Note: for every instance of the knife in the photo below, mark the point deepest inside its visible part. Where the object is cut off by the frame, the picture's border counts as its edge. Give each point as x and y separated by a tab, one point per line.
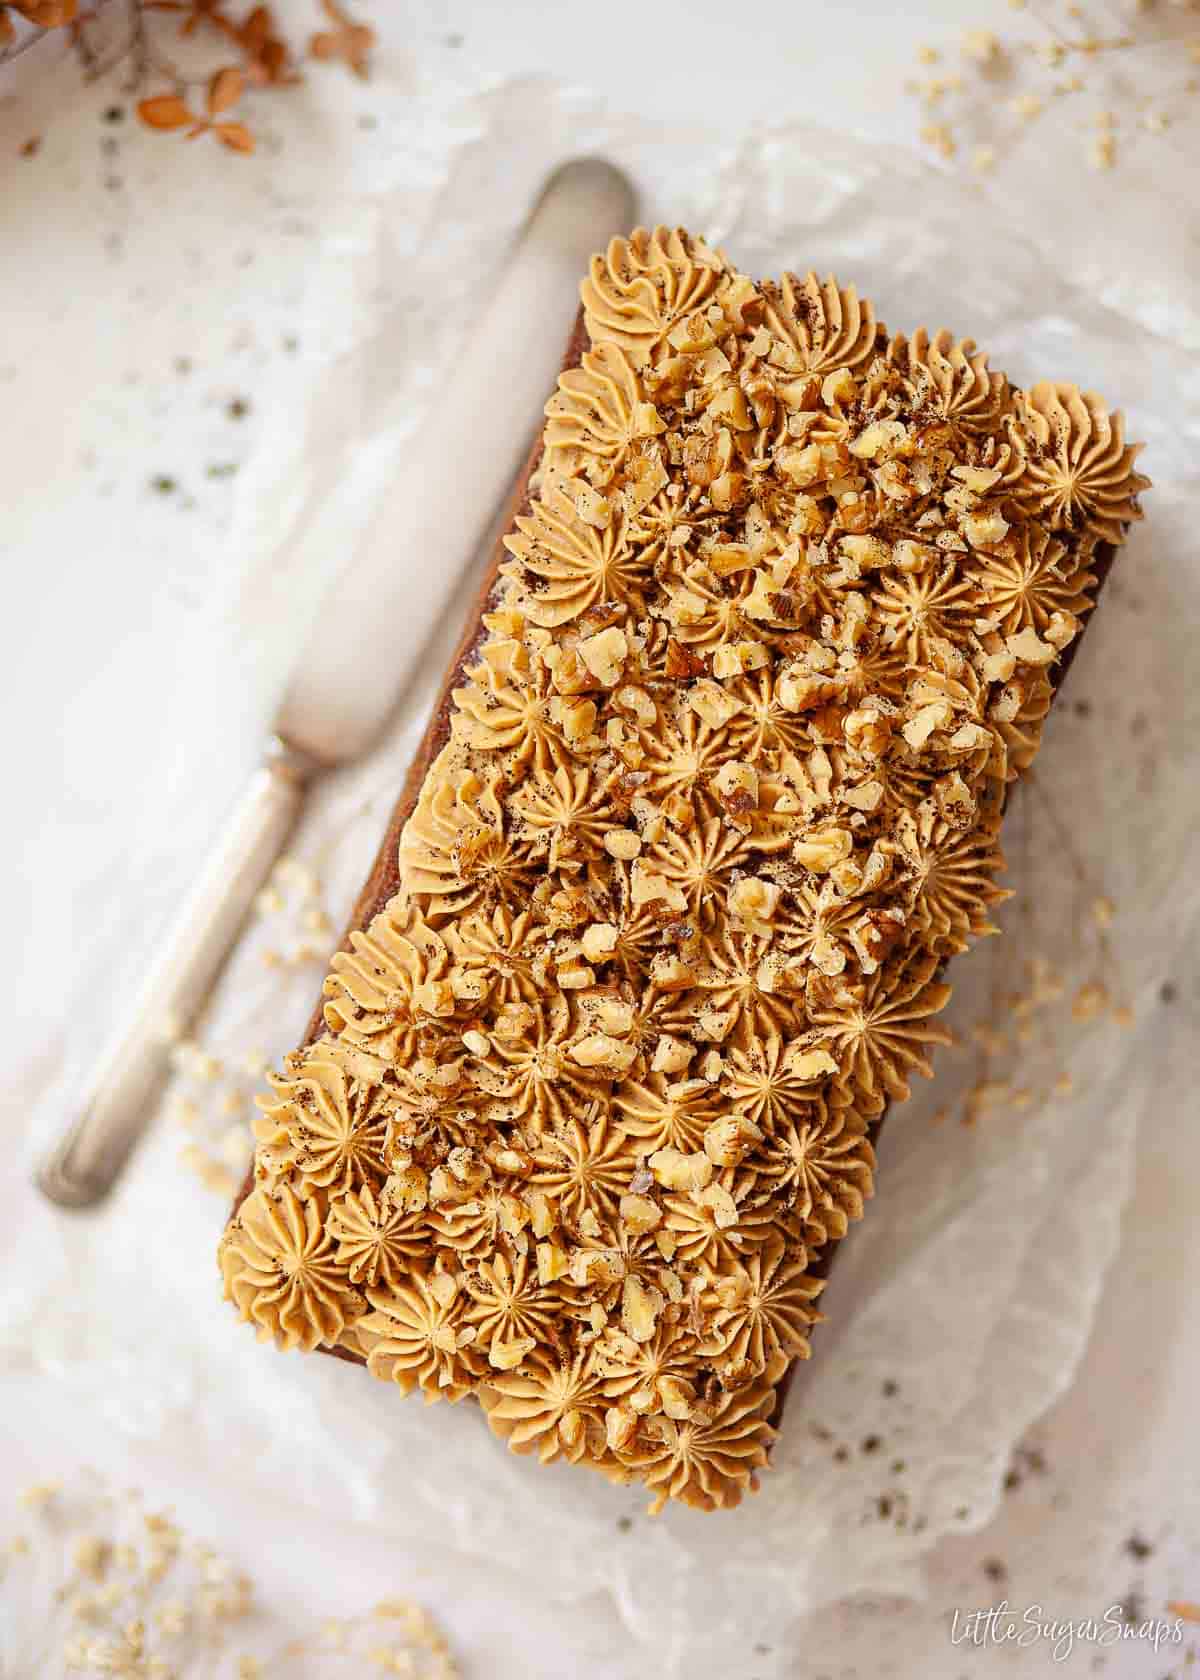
368	633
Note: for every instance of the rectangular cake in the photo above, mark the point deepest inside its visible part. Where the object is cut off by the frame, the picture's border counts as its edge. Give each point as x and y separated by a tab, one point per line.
660	926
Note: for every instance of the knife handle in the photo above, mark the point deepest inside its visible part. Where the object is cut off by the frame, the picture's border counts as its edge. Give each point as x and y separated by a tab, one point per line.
88	1157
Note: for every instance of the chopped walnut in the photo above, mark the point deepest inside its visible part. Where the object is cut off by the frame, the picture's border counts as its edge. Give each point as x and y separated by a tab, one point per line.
838	387
734	659
968	737
867	732
641	1305
552	1262
648	886
639	1214
711	703
622	843
737	785
408	1190
639	702
677	1171
600	940
605	655
1062	629
881	438
754	900
937	715
599	1050
727	1142
620	1427
822	848
868	553
806	1065
671	1055
671	973
592	508
722	1205
1029	648
614	1015
576	717
998	667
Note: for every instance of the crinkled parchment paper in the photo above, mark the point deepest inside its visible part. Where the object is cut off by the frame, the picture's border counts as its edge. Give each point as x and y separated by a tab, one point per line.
960	1307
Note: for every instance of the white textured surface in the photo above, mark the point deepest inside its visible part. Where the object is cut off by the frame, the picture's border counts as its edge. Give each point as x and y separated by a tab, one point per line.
142	675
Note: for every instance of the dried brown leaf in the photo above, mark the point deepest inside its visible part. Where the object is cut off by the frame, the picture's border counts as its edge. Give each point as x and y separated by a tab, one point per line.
268	60
49	14
224	90
164	111
349	40
235	135
681	662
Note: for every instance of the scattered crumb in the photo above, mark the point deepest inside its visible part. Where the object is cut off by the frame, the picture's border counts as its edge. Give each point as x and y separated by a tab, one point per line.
38	1495
940	138
983	46
1090	1000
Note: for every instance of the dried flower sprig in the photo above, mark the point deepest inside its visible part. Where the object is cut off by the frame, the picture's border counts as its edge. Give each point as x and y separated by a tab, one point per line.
96	1582
168	111
998	84
1035	1011
216	1081
264	58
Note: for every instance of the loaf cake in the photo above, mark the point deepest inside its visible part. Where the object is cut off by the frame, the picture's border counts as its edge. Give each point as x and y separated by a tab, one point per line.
660	926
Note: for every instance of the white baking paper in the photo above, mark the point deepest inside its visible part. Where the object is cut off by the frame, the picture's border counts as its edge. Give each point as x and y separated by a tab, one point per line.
959	1309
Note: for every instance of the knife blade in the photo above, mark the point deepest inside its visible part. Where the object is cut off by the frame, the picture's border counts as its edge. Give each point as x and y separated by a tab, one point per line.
376	617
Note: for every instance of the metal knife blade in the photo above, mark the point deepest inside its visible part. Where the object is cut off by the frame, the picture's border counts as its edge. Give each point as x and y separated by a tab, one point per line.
369	632
380	611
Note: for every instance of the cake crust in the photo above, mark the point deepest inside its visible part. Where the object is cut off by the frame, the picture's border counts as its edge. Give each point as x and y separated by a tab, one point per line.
658	931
